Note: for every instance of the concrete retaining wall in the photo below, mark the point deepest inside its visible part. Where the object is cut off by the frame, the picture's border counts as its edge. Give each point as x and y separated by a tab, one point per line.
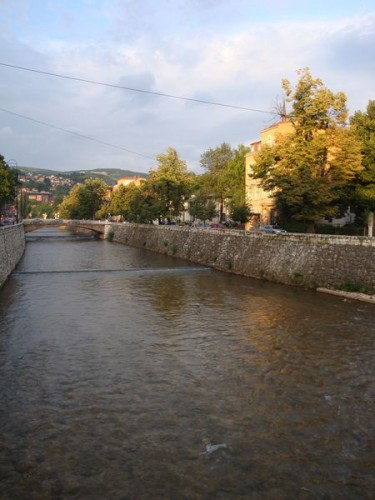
300	259
12	246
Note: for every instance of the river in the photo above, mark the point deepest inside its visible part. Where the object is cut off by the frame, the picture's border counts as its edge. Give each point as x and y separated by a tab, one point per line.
132	375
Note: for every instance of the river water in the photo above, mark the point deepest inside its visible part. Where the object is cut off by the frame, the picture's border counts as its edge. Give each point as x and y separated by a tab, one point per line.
131	375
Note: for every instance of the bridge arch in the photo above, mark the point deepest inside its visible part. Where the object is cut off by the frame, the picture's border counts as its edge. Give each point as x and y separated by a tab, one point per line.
97	227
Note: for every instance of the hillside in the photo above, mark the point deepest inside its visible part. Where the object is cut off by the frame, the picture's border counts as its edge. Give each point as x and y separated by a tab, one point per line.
108	175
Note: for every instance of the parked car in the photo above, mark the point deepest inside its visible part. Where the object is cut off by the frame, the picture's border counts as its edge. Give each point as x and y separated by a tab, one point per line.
273	229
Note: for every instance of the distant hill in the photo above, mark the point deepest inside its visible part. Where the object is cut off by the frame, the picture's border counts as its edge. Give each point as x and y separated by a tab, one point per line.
108	175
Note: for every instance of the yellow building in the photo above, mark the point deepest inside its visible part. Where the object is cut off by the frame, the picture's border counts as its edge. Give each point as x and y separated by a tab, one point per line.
261	202
125	181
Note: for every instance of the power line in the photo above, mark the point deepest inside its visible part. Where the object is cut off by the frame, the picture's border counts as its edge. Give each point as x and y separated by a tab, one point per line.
161	94
74	133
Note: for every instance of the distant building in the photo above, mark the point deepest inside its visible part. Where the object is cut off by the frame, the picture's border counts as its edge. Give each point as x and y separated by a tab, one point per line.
126	181
39	197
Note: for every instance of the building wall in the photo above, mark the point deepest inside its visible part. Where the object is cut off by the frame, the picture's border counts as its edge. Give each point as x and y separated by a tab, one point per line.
12	246
261	202
126	181
300	259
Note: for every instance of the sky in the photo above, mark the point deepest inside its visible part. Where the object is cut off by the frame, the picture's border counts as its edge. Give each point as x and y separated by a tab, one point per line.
119	62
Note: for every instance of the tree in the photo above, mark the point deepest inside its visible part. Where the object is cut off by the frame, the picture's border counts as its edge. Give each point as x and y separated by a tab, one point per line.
224	177
59	194
203	208
240	213
84	200
119	201
214	162
362	196
38	210
308	170
143	206
8	183
231	178
135	203
170	184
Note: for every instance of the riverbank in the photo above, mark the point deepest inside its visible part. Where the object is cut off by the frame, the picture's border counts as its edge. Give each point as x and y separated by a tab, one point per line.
12	246
312	261
349	295
324	262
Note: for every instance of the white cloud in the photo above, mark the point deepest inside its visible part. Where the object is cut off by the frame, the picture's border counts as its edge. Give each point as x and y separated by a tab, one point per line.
5	131
243	68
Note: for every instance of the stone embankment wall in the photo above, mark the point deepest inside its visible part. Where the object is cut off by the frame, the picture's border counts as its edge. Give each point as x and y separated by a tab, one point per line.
299	259
12	246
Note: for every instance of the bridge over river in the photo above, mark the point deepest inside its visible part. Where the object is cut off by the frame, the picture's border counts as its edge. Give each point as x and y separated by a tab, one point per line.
96	226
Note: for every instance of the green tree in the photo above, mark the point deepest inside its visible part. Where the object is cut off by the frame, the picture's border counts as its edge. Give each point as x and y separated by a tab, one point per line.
143	205
119	201
224	177
170	184
362	196
59	194
84	200
8	183
309	169
202	208
233	176
135	203
39	209
214	161
240	213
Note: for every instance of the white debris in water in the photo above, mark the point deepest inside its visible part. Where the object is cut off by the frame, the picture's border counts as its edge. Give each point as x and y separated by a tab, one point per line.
327	397
210	448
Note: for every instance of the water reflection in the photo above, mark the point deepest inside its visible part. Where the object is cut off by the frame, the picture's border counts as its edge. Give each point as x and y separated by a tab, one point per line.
178	383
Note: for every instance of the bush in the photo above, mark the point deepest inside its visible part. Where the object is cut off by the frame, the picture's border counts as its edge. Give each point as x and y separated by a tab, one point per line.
356	288
110	235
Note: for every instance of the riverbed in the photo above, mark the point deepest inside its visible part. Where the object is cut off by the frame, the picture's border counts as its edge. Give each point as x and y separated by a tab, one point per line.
130	374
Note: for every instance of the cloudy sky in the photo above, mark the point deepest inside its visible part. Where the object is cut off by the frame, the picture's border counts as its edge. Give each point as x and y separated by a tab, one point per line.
232	52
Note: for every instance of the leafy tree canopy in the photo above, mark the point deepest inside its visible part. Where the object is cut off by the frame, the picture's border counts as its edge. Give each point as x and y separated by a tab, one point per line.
8	182
135	203
202	208
363	125
308	170
170	184
84	200
314	106
231	177
214	160
225	173
240	213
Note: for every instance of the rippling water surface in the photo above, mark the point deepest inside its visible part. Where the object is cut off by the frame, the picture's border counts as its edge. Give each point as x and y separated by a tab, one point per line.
130	375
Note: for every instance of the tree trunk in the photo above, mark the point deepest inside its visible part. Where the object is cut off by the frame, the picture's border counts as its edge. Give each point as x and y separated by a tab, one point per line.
370	224
221	211
311	228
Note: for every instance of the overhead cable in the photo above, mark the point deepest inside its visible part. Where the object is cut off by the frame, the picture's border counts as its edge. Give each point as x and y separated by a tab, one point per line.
75	133
93	82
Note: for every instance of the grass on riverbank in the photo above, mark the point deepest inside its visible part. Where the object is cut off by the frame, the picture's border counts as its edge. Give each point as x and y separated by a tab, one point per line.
356	288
